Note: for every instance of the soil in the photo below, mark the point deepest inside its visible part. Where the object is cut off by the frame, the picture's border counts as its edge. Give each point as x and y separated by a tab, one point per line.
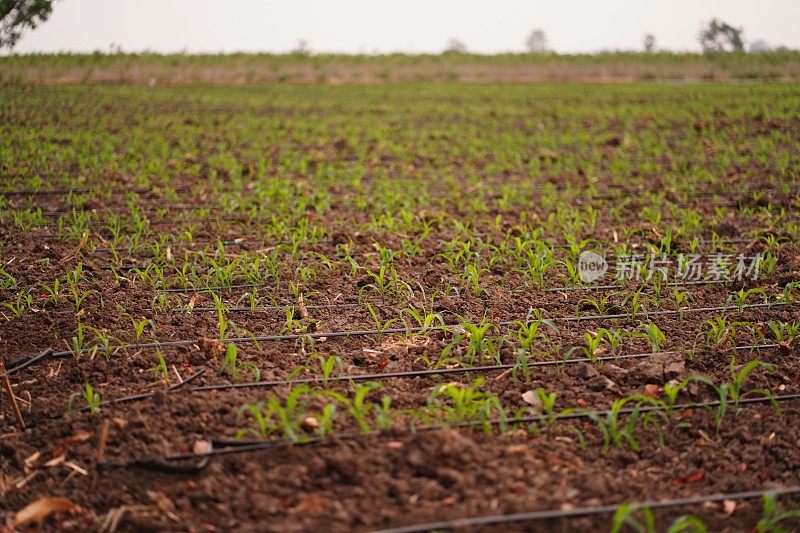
401	476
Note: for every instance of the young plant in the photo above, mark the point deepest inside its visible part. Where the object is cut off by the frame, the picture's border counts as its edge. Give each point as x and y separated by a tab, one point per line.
160	370
655	336
615	431
459	403
423	321
772	516
732	391
740	298
328	365
358	407
276	415
90	397
17	306
139	327
235	369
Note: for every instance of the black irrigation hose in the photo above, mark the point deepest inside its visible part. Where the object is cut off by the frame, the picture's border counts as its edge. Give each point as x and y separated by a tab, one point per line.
264	309
172	388
233	448
668	312
16	366
618	286
54	192
185	246
552	289
380	376
391	375
237	216
579	512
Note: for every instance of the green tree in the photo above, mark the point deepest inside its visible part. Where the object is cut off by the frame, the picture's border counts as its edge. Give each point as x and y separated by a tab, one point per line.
720	36
18	15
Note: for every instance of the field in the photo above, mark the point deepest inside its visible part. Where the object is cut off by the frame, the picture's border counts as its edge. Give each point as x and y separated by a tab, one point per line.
360	307
248	69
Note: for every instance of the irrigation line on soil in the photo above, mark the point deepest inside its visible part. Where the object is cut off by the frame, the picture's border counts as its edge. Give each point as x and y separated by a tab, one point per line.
404	374
667	312
27	361
190	246
236	447
579	512
346	305
232	215
378	377
617	286
552	289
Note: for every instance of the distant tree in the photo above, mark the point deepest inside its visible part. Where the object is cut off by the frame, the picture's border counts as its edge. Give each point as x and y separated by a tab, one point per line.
18	15
649	42
302	47
454	46
537	42
719	36
759	45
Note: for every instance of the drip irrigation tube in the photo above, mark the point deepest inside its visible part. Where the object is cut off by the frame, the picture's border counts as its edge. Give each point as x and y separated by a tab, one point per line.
27	361
379	376
236	447
579	512
397	375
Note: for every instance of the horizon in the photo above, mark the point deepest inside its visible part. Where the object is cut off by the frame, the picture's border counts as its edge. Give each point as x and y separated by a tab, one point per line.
356	27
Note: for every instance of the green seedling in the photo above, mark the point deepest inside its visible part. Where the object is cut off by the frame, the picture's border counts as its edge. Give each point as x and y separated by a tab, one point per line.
459	403
784	331
18	306
160	370
358	407
90	397
772	516
236	369
424	322
740	297
615	431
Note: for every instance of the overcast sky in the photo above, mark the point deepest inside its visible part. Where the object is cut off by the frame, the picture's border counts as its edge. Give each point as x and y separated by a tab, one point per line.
364	26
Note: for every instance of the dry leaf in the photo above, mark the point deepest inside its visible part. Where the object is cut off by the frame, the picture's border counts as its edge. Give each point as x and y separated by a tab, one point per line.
63	447
530	398
729	506
55	461
212	347
302	306
201	447
652	391
42	508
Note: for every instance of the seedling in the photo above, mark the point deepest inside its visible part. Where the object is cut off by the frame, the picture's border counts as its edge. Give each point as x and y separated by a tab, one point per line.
464	403
784	331
90	397
23	301
655	336
732	391
740	298
615	431
160	370
358	407
236	369
328	365
139	326
424	321
772	516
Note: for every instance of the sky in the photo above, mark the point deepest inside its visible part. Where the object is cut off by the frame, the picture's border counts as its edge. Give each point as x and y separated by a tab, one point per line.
411	26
